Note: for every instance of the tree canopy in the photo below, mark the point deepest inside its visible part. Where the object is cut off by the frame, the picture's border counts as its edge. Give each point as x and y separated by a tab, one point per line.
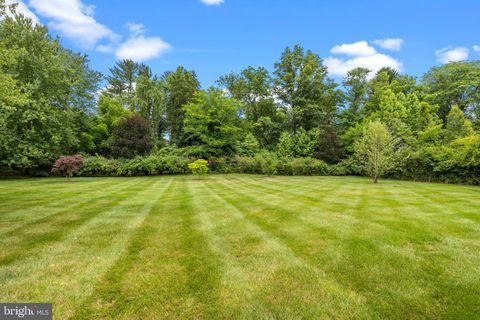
52	103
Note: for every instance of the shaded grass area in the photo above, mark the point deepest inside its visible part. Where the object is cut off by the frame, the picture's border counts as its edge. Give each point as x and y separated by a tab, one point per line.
241	247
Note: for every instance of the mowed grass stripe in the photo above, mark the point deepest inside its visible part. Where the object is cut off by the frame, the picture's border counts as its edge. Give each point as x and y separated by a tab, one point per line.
354	248
90	250
249	247
53	189
53	227
13	222
260	270
167	272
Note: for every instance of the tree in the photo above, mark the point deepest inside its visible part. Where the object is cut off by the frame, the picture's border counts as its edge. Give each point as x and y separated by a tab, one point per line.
122	81
328	148
356	84
253	88
46	93
455	83
301	144
457	126
180	89
132	137
212	122
302	86
68	165
249	146
150	97
110	113
375	150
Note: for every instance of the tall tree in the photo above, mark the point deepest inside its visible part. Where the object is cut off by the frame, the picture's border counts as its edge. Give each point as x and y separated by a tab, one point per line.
180	87
356	85
253	88
150	96
456	83
57	89
212	122
122	81
302	86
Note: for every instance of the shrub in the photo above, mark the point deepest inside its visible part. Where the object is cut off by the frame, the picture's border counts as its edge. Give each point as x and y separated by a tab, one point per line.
98	166
267	163
302	167
68	165
221	165
199	167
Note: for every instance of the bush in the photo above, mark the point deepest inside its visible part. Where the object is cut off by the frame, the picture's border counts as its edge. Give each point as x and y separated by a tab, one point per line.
221	165
267	163
68	165
139	166
302	167
98	166
199	167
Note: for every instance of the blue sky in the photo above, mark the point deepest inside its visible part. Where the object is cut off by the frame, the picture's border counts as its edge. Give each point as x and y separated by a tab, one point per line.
214	37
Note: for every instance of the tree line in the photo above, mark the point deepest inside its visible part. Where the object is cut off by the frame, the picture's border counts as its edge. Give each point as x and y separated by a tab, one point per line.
52	103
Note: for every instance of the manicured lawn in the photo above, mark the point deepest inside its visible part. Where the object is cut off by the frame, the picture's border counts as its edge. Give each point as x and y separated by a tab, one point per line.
241	247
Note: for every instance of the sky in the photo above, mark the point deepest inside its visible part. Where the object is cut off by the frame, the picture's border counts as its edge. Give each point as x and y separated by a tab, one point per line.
215	37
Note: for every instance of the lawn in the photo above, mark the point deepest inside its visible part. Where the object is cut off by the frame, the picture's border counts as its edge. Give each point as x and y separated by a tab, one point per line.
241	247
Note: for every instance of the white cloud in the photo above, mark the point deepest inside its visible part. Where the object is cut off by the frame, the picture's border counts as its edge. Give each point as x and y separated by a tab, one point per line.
360	48
74	19
23	9
212	2
394	44
450	54
476	48
374	62
138	47
361	55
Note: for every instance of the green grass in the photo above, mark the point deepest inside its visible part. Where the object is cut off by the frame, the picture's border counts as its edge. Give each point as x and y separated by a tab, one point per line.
241	247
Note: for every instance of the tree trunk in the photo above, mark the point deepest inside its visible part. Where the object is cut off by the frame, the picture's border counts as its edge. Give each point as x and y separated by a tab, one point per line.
375	179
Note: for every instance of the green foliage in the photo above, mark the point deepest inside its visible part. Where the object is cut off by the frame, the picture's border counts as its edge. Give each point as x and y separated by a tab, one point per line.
249	146
212	122
180	88
301	83
458	126
99	166
301	144
199	167
154	164
110	113
302	167
455	83
131	138
45	92
375	150
49	107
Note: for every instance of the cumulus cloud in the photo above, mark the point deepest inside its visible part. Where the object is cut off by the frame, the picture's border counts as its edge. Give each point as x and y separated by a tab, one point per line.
74	20
361	54
450	54
476	48
360	48
23	9
394	44
139	47
212	2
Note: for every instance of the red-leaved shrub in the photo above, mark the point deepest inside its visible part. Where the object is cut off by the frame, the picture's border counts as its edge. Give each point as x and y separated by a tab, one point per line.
68	165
